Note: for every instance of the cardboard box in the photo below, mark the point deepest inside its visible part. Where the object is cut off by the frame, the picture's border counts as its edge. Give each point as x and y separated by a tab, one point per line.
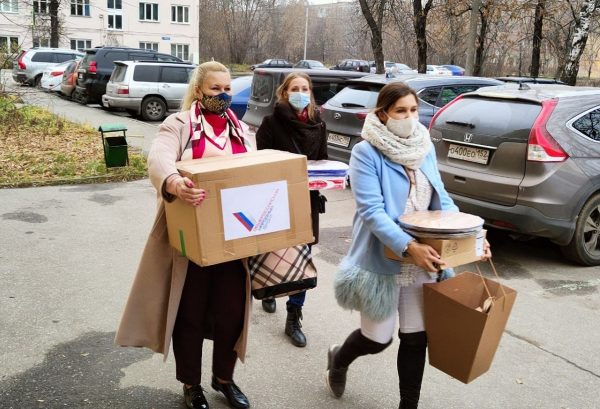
455	252
255	202
461	340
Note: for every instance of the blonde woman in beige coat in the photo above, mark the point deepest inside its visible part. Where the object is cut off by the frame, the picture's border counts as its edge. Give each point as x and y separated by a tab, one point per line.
172	298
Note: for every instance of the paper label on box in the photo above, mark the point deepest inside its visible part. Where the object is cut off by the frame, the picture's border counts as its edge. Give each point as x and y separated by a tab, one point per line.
256	209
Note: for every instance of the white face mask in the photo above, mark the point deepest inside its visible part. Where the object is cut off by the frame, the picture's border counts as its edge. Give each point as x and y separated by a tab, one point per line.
402	128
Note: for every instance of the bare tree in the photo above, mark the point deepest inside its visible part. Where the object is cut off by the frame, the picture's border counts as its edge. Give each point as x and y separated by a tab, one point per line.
374	11
538	29
471	41
484	12
55	23
582	27
420	23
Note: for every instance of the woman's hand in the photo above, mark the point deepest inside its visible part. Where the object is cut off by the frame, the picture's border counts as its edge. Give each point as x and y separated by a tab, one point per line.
424	256
185	190
487	251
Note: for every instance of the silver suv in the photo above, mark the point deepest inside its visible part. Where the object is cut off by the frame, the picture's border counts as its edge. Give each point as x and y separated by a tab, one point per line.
31	63
147	88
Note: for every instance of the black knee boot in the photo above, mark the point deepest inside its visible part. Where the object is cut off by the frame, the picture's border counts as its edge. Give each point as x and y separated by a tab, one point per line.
411	364
339	358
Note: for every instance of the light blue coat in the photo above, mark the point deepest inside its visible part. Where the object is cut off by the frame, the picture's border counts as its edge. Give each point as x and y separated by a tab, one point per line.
365	280
380	189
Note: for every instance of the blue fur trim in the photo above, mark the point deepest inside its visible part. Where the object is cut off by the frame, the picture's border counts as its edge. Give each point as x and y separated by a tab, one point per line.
375	295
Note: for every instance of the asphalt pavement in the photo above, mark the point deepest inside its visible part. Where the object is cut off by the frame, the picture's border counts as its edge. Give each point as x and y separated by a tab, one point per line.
68	255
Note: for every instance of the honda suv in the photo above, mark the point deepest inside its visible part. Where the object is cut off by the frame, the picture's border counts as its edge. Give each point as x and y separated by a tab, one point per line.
526	158
326	84
31	63
346	112
149	88
97	67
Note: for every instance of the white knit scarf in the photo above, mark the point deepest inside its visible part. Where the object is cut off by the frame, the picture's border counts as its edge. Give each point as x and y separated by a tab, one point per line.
409	152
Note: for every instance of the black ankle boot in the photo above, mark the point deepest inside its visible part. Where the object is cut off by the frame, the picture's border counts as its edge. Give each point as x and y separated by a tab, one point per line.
293	326
411	364
269	305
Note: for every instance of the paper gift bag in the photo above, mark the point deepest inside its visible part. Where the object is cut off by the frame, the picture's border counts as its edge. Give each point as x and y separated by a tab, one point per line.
462	336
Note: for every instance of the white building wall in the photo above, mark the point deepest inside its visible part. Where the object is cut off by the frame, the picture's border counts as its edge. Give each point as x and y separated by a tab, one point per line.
93	29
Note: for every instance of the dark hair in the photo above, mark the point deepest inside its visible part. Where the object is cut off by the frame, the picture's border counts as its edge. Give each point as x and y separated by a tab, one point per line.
282	92
391	93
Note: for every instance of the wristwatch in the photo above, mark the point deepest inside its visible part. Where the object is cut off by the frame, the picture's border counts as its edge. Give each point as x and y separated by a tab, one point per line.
405	251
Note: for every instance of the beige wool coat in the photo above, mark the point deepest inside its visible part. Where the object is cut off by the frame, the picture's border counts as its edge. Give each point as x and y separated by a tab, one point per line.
151	308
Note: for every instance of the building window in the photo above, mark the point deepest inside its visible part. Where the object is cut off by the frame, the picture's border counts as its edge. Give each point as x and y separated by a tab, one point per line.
40	7
41	42
115	14
9	6
80	45
80	8
149	11
114	4
181	51
148	46
180	14
9	44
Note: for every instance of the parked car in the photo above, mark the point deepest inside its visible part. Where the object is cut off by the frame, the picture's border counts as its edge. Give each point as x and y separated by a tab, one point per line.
97	67
326	84
52	76
310	64
147	88
455	69
531	167
31	63
272	63
530	80
240	87
437	70
393	68
352	65
345	113
69	79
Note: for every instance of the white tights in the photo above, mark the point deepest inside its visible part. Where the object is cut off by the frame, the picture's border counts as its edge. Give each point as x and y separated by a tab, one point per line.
410	313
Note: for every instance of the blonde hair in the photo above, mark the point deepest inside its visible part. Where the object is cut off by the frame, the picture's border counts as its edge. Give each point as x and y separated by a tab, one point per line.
197	78
282	94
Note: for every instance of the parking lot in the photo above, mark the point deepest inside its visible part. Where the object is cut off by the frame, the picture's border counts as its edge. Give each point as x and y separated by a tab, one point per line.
68	255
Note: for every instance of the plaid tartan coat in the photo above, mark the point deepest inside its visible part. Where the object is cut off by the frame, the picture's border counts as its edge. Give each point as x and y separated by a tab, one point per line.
151	309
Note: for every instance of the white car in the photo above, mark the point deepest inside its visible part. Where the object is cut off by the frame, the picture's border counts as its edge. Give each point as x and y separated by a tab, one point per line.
53	76
438	70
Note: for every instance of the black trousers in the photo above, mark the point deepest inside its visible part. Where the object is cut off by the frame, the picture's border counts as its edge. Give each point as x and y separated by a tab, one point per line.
212	306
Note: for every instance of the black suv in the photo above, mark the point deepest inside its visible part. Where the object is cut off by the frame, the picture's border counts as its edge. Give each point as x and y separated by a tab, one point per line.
326	84
353	65
98	64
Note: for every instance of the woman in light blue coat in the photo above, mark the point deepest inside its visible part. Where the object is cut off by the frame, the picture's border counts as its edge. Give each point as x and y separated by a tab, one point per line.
393	171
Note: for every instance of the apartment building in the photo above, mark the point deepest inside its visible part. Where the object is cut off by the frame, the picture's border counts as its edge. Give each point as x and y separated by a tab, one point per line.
166	26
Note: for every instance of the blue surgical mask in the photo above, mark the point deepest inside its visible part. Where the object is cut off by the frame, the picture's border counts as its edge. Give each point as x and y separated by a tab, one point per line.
299	100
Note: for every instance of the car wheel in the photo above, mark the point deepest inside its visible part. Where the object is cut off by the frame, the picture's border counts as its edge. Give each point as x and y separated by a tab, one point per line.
584	247
37	81
153	109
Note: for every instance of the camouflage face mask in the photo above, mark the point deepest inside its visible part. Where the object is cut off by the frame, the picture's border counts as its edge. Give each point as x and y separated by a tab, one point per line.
217	104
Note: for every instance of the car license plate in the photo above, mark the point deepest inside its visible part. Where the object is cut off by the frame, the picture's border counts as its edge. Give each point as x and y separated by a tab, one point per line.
469	153
340	140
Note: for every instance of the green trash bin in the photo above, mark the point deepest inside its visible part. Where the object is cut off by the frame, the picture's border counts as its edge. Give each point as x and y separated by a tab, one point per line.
115	146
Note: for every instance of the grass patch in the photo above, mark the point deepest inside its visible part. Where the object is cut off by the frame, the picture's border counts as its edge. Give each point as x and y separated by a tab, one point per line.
38	148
